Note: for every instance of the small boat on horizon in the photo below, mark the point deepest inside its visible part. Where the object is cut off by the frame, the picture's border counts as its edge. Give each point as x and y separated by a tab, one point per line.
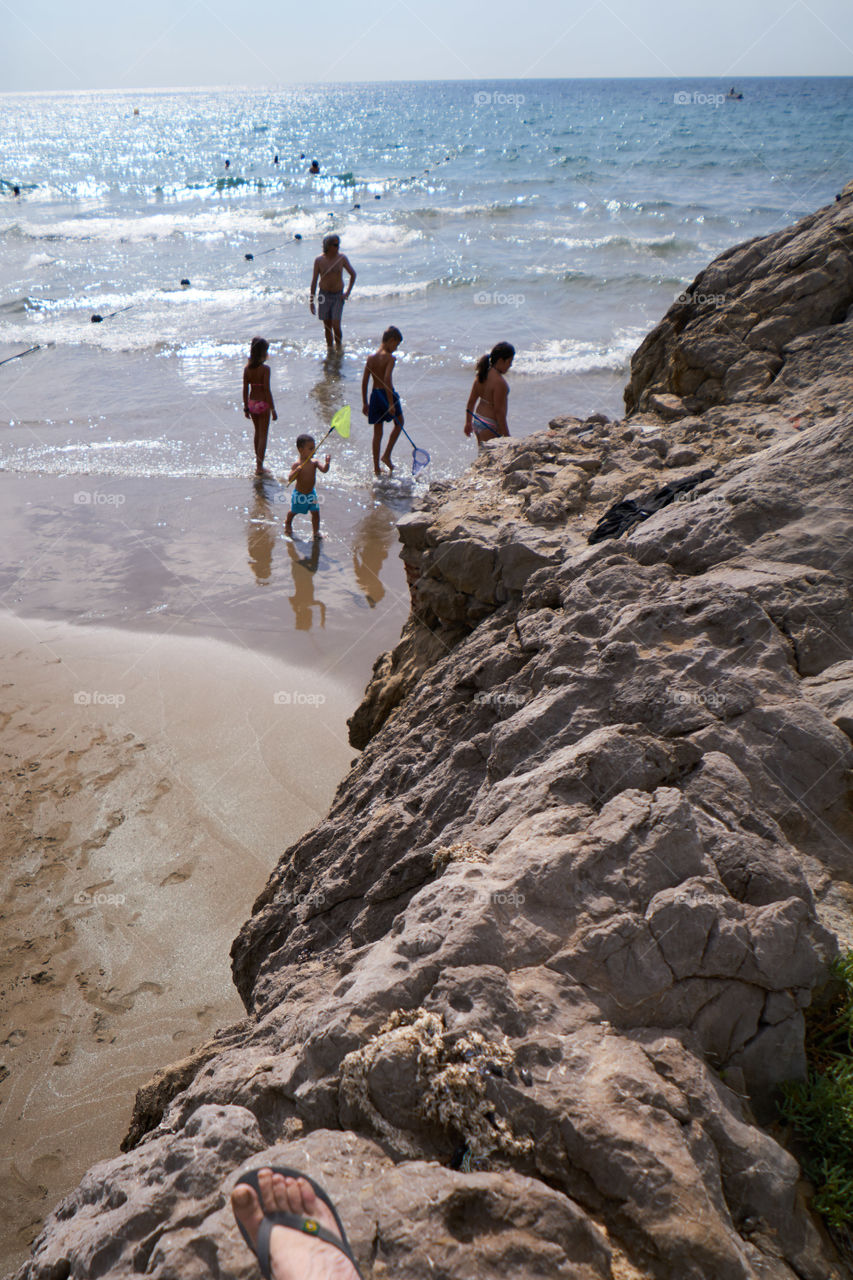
733	95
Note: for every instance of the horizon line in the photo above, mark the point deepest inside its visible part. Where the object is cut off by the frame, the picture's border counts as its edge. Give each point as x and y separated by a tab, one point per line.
291	84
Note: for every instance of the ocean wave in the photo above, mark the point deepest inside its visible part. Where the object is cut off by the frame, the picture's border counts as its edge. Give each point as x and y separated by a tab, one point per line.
161	226
39	260
615	280
576	355
486	210
402	289
660	245
366	236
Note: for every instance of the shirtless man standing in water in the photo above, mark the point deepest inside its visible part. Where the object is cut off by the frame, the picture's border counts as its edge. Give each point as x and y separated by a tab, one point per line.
329	269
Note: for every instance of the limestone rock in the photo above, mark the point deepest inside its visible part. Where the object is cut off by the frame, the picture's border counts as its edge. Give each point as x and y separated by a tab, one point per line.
668	407
766	294
522	998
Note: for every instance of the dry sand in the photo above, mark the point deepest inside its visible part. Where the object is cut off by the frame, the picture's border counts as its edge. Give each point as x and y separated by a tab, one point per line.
150	785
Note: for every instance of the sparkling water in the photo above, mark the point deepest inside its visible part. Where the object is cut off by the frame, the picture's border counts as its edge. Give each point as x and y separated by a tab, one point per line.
563	216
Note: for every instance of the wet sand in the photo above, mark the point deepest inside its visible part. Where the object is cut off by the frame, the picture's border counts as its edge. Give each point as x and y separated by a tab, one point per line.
152	778
151	783
207	556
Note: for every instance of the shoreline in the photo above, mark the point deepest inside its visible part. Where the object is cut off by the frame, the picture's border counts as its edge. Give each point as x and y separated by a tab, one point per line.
566	913
200	558
133	855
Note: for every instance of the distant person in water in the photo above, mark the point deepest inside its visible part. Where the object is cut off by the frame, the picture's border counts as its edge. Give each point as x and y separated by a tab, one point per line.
328	270
384	404
227	164
304	496
315	168
485	412
257	399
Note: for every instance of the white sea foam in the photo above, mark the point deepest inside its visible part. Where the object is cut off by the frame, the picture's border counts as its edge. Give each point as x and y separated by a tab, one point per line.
573	355
401	289
208	225
654	244
366	236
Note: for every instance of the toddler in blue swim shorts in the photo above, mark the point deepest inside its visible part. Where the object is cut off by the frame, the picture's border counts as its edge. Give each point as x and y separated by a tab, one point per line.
304	496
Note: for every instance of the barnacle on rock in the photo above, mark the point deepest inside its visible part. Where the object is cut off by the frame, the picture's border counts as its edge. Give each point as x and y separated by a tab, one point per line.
460	851
449	1082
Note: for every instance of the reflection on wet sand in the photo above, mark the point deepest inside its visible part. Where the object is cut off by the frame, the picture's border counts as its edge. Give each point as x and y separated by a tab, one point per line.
371	544
302	601
262	532
327	392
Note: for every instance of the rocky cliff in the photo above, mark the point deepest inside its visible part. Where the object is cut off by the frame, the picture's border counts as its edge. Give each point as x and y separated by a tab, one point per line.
522	999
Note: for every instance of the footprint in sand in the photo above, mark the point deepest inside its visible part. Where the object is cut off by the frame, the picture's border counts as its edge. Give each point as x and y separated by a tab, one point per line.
176	877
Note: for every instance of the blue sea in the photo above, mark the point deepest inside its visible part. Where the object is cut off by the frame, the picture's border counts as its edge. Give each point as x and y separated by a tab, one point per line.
562	216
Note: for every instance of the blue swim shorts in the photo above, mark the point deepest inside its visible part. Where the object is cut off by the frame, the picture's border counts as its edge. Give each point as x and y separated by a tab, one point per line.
377	409
300	502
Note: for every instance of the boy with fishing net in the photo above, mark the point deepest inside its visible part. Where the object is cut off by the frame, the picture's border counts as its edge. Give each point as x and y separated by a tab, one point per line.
384	404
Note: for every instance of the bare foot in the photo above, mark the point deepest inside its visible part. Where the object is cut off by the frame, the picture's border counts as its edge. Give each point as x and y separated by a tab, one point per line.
294	1255
388	463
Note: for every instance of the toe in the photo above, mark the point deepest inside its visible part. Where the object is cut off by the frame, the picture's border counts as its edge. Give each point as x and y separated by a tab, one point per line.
266	1180
307	1198
247	1210
280	1198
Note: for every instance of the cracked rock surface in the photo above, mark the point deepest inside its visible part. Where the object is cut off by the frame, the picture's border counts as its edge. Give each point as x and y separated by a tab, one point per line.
521	1001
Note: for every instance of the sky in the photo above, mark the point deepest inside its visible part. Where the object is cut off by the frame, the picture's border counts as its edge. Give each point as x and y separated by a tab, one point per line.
130	44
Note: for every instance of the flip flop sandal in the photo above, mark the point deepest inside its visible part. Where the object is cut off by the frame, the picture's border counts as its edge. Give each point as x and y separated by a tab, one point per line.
308	1226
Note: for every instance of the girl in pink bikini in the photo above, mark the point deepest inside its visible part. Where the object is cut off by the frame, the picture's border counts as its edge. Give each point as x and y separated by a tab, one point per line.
257	399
